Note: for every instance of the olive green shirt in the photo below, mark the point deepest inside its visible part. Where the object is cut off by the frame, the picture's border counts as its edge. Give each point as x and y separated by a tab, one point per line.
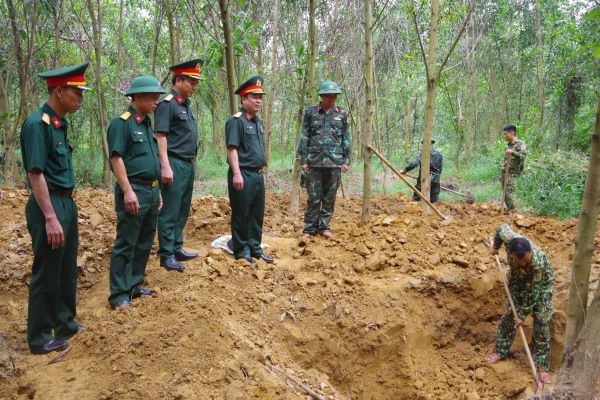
45	148
174	117
131	137
245	132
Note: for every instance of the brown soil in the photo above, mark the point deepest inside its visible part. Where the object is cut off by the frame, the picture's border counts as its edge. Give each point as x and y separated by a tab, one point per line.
404	308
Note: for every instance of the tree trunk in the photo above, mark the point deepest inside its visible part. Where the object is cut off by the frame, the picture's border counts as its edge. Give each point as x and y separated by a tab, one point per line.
368	122
228	55
432	77
307	86
540	71
584	243
272	85
156	36
168	7
96	19
119	63
23	56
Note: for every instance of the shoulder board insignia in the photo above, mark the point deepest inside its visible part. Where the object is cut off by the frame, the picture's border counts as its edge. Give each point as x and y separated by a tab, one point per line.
125	116
237	114
168	97
46	118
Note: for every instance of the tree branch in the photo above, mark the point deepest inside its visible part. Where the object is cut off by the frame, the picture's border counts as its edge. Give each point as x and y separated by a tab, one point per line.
456	38
414	15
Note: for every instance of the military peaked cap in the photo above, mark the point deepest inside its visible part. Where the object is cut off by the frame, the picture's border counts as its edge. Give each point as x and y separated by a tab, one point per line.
252	85
66	76
189	68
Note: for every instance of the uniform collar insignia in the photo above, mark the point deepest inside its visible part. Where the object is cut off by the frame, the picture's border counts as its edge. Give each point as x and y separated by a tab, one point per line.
138	118
56	122
248	116
179	99
337	109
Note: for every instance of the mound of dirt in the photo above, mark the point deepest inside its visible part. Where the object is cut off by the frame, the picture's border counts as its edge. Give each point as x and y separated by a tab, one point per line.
405	307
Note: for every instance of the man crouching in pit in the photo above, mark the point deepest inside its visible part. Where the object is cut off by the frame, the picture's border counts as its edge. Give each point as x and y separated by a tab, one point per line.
530	282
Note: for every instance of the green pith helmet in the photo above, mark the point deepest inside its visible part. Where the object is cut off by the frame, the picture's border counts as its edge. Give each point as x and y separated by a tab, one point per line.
144	84
329	87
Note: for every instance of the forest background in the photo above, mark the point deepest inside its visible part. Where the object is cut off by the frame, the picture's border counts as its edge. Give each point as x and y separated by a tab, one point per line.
529	63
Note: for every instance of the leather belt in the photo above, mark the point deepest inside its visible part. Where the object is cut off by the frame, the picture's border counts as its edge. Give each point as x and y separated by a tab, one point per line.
254	169
62	193
153	183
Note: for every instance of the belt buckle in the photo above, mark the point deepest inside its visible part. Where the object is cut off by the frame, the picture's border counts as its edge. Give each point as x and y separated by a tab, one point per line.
154	183
260	170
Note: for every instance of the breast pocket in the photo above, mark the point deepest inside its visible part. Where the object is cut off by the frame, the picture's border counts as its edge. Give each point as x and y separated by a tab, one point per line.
139	144
62	153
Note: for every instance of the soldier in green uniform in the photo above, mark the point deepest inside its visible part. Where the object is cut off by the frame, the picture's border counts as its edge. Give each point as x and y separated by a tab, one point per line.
514	161
435	172
51	212
176	132
324	152
134	159
530	282
245	142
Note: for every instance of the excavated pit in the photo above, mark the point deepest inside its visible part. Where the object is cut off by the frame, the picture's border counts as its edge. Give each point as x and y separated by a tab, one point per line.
403	308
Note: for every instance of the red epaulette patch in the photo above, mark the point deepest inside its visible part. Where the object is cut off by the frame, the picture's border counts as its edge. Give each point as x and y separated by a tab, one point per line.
56	122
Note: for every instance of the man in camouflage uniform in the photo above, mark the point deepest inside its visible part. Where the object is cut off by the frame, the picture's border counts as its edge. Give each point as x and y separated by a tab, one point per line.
324	152
435	171
530	281
514	161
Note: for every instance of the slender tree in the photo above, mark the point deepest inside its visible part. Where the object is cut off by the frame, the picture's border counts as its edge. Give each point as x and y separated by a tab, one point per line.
229	62
368	121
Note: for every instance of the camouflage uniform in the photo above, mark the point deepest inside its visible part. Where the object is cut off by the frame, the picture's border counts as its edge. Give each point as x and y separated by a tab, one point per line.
515	162
531	290
325	147
435	170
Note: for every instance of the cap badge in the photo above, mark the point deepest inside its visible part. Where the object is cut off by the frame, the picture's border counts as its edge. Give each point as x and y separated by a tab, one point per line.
330	86
258	83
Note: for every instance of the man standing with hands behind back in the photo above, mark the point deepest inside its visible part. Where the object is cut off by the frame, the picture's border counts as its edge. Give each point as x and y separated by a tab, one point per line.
177	136
245	182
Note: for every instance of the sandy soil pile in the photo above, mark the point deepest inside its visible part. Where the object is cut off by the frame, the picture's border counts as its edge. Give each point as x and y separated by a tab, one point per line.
404	308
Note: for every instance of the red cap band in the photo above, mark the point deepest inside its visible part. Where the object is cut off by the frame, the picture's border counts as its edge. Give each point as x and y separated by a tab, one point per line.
251	89
187	71
73	80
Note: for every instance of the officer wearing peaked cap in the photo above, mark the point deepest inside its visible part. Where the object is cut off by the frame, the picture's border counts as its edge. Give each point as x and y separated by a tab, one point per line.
134	161
324	152
51	212
245	142
177	135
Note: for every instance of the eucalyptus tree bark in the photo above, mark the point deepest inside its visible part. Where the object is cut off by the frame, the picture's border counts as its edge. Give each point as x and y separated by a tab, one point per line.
94	9
308	85
579	373
433	72
584	243
24	55
169	8
540	71
368	121
432	79
272	84
158	13
229	66
119	61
